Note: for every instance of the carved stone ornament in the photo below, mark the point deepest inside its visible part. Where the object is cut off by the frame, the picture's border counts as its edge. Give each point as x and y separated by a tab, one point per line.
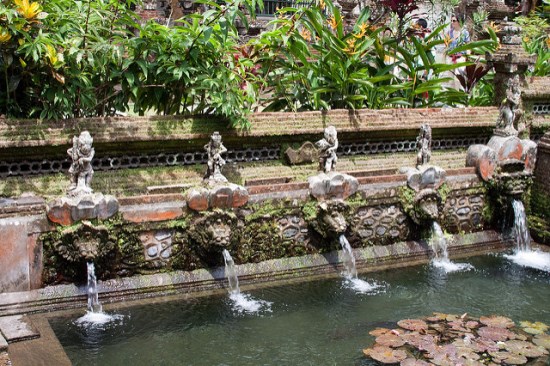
327	150
215	163
509	111
81	170
85	242
424	146
331	218
213	231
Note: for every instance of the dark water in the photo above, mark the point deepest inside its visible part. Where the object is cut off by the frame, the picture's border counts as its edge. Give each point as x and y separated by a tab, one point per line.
312	323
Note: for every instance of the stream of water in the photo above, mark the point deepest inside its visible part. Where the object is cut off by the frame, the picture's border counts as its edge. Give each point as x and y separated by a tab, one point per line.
441	259
242	303
523	254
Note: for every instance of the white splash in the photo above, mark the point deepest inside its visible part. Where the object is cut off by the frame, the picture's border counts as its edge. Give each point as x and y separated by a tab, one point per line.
449	266
532	258
362	286
94	319
245	303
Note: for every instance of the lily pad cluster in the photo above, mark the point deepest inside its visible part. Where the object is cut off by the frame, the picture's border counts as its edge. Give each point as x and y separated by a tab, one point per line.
451	340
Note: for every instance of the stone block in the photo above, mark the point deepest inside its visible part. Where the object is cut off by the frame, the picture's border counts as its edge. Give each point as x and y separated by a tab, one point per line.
14	258
305	154
17	328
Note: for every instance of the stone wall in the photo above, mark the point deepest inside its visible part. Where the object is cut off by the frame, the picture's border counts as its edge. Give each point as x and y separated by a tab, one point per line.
30	137
539	218
160	233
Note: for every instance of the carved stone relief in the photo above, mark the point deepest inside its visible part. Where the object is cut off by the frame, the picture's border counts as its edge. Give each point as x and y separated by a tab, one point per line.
157	246
380	224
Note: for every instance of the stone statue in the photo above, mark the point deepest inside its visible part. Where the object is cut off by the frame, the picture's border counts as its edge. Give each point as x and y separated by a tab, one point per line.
509	109
424	145
327	150
81	170
215	149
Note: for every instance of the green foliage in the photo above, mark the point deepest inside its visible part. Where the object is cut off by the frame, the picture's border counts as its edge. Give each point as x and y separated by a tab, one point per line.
84	59
534	32
310	62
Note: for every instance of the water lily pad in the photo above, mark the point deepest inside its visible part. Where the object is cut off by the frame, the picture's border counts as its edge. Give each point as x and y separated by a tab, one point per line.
484	345
413	324
533	328
508	358
497	321
390	340
542	340
495	333
379	331
524	348
413	362
418	340
385	355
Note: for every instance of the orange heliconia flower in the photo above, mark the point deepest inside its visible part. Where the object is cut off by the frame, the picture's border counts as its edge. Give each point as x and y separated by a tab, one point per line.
332	22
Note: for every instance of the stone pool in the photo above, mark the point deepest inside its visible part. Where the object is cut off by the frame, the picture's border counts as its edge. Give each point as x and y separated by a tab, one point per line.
321	322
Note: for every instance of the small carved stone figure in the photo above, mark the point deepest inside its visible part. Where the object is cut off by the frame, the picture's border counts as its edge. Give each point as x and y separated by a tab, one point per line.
327	150
424	145
81	170
509	109
215	149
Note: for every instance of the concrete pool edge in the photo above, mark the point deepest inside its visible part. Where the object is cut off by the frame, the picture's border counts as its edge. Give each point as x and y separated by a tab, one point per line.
369	259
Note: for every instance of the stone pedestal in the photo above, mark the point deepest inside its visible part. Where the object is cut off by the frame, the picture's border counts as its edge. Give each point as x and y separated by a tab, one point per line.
221	195
332	185
68	210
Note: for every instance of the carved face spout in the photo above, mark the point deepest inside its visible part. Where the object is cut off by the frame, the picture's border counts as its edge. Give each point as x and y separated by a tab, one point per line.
219	233
88	250
427	206
331	218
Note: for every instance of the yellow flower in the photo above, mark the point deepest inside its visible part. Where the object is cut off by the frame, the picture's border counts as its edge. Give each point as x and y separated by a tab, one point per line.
51	54
494	27
332	22
525	39
548	42
362	30
28	10
322	4
306	34
447	40
350	48
4	35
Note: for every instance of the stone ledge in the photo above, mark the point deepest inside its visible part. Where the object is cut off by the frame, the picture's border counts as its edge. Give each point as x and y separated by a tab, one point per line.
33	133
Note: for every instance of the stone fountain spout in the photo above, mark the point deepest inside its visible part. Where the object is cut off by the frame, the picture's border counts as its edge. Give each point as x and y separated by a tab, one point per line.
507	161
330	188
424	180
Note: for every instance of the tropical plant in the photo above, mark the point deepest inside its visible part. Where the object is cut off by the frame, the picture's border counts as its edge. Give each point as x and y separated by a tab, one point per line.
310	62
535	37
